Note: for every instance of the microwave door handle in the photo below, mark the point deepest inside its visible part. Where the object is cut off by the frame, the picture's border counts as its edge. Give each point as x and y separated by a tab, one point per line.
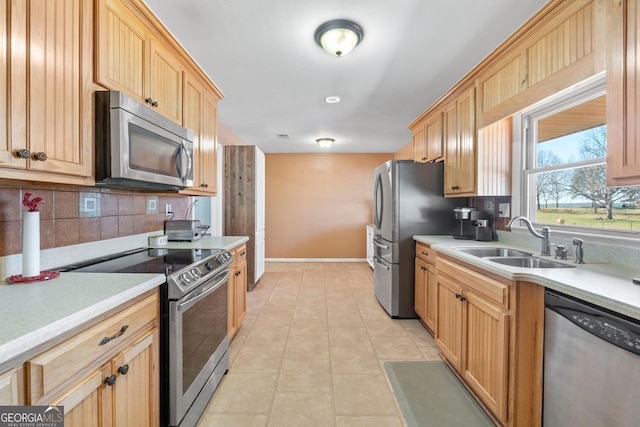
179	160
189	167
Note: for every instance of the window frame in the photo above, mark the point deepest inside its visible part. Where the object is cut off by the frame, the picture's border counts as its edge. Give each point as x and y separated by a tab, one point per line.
524	148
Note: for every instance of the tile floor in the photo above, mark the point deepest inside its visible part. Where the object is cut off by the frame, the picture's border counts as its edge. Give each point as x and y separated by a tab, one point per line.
310	352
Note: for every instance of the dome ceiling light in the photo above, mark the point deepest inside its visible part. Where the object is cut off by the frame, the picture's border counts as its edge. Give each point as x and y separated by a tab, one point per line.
339	37
325	142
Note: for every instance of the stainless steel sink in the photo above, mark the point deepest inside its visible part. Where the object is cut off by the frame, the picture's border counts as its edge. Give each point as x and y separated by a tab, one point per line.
490	251
530	262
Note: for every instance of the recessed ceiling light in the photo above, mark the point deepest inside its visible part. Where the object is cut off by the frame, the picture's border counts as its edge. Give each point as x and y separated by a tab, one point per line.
332	99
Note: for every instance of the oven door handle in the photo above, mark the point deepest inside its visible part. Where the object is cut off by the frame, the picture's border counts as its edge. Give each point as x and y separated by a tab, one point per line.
196	296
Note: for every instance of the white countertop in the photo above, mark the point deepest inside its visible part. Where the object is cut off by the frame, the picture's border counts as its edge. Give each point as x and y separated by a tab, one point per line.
34	314
606	285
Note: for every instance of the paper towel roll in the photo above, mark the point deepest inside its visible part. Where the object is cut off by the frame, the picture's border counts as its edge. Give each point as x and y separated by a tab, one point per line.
31	244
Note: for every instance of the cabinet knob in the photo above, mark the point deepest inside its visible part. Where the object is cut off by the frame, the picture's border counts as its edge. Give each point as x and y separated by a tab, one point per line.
23	154
458	296
110	380
204	185
42	156
122	370
455	187
151	102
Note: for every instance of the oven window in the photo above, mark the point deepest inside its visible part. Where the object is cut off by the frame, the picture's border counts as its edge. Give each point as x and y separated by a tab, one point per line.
204	326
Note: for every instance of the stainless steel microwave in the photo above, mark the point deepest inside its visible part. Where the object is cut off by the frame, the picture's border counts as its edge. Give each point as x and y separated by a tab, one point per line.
137	147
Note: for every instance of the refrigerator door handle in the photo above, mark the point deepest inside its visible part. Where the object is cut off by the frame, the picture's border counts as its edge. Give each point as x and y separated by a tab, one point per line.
386	267
378	202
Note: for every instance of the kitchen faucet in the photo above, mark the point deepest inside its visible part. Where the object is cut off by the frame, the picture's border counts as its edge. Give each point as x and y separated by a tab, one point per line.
546	231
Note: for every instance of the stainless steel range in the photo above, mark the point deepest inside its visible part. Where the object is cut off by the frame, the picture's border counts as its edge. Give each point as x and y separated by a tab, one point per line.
194	342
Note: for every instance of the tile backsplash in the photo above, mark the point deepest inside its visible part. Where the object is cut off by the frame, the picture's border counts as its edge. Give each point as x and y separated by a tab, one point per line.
72	214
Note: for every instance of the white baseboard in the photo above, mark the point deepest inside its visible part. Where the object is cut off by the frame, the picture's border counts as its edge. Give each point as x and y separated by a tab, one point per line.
316	260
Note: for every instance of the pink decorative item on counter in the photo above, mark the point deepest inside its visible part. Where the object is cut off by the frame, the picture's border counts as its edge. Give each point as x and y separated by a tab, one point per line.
31	237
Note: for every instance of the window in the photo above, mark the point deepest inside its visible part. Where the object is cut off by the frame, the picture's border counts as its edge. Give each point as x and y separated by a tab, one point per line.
563	161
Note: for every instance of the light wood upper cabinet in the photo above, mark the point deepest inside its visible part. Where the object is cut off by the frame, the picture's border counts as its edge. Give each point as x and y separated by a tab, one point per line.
460	146
623	86
419	143
47	65
131	59
428	141
200	115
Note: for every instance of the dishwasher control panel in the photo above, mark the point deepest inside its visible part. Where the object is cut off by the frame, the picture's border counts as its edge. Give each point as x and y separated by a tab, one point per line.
614	328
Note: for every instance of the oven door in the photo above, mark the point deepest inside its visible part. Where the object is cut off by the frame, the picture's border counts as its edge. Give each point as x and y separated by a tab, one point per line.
198	341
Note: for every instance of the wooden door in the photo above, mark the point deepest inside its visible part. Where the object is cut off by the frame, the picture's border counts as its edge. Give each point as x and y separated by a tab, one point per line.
208	150
193	119
89	402
241	293
431	297
451	150
466	127
434	137
59	101
164	85
13	72
419	300
9	388
486	338
449	326
419	144
623	86
136	390
121	49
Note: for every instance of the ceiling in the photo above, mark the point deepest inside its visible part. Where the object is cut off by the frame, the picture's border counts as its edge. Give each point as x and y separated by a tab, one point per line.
263	57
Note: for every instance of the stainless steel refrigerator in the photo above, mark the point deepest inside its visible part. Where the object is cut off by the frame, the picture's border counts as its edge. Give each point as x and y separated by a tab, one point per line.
407	200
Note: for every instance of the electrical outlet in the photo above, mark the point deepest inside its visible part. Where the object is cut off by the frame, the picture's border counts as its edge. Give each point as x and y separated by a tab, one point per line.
488	206
167	209
504	210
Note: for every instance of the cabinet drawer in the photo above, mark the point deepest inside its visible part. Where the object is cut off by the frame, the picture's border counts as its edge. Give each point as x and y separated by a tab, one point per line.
494	290
240	254
425	252
53	368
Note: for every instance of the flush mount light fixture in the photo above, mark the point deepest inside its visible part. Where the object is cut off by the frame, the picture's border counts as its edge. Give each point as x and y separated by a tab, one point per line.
339	37
325	142
332	99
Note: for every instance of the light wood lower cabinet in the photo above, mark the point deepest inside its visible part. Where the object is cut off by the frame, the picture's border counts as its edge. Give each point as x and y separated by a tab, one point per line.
107	375
9	387
426	286
473	332
237	290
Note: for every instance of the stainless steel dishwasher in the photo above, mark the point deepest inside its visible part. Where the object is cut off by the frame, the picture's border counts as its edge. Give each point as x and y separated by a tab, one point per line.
591	365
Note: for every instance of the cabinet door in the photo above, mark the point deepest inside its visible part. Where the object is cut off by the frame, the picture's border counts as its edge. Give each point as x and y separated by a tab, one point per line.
59	102
623	86
121	49
165	81
486	331
13	17
466	124
231	299
136	390
89	402
434	137
9	388
431	297
241	294
419	144
193	106
419	300
451	150
449	326
208	150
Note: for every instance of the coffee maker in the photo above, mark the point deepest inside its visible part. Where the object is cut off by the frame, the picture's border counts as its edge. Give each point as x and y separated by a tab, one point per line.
465	229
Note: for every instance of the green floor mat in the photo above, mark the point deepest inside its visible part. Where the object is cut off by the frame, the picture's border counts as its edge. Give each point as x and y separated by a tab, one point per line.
430	395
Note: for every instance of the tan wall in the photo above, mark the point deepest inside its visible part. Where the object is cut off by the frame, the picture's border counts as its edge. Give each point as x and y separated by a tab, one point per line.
317	205
405	153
